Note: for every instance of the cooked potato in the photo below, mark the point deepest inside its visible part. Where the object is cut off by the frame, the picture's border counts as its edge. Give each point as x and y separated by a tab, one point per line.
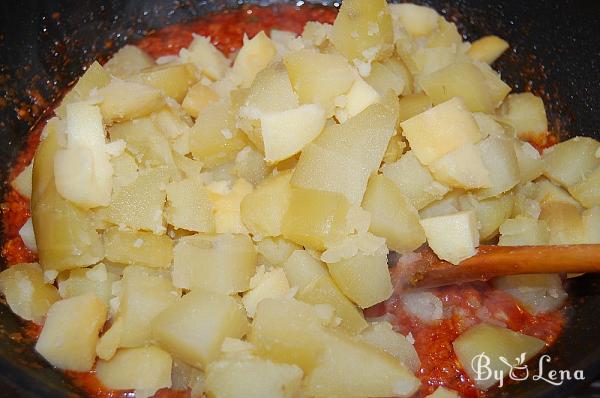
26	293
487	49
70	333
571	161
194	328
271	82
499	157
125	171
95	77
449	204
452	237
206	57
109	342
253	378
382	336
546	192
43	161
417	20
462	168
222	263
251	166
587	192
274	252
413	104
446	35
591	222
523	231
189	206
254	56
118	104
144	369
173	80
142	248
392	216
97	280
495	342
538	293
525	113
383	79
490	213
565	223
531	164
144	294
265	284
359	97
128	61
227	207
197	97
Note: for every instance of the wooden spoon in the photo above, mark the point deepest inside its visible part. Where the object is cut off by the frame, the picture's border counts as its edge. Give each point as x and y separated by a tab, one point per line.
424	269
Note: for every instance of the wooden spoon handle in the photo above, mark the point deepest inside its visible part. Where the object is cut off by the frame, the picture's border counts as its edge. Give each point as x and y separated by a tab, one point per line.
493	261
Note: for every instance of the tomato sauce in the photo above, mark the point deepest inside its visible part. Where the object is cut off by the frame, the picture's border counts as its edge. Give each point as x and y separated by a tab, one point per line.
466	304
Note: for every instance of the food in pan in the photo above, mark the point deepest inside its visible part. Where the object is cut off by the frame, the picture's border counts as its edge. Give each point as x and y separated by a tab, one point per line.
216	223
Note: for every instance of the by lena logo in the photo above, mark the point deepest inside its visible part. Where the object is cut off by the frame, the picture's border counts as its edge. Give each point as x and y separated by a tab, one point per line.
518	370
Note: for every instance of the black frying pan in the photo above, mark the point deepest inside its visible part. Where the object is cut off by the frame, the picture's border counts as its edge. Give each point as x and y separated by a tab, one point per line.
556	52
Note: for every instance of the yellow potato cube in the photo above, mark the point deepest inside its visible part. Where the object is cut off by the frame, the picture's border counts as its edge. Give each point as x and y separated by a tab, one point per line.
144	293
144	369
194	328
108	343
301	269
265	284
494	342
189	206
206	57
125	170
571	161
251	166
392	216
382	78
43	161
524	231
531	164
383	336
446	35
142	248
490	213
363	30
525	113
274	252
565	223
453	237
227	207
462	168
128	61
95	76
487	49
440	130
254	56
587	192
499	157
315	217
538	293
119	105
173	80
337	373
222	263
545	191
272	82
417	20
197	97
360	96
26	293
413	104
252	378
95	280
497	89
262	210
70	333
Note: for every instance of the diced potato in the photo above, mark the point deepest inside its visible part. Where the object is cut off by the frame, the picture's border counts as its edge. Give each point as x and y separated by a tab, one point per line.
95	280
489	126
395	149
446	35
362	30
494	342
413	104
383	79
525	113
272	82
253	57
43	161
531	165
189	206
144	294
360	96
119	105
319	78
546	192
262	211
301	269
137	247
128	61
252	378
145	141
315	217
497	89
222	263
571	161
173	80
274	252
185	376
26	293
523	231
462	79
440	130
270	284
392	216
214	139
65	234
417	20
23	182
197	97
364	279
146	369
490	213
206	57
227	207
539	293
194	328
452	237
414	180
382	336
251	166
95	76
172	121
428	61
499	157
591	222
396	65
565	223
337	373
139	205
587	192
449	204
70	333
125	170
108	343
487	49
462	168
287	132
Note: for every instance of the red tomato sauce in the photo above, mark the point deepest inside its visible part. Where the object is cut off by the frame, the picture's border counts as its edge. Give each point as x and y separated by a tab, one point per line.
439	365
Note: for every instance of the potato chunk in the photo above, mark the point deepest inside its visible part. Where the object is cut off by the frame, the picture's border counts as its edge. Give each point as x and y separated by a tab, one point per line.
142	248
523	231
194	328
362	30
189	206
382	336
452	237
413	104
96	76
587	192
525	113
197	97
315	217
26	293
538	293
128	61
499	157
263	209
337	373
571	161
253	378
495	342
173	80
206	57
417	20
43	162
144	369
392	216
565	223
97	280
70	333
222	263
440	130
462	168
144	294
254	56
119	105
490	213
487	49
